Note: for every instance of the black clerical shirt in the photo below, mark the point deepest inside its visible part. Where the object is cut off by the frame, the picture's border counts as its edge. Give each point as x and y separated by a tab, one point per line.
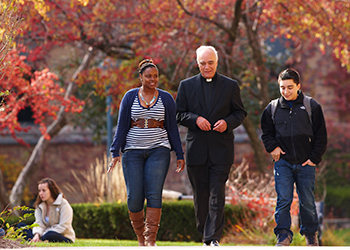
208	90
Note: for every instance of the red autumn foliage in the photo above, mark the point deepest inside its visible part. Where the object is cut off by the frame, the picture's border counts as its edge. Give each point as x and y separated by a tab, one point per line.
39	90
256	193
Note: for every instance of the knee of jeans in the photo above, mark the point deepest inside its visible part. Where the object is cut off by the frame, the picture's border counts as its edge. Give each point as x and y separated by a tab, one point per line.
49	235
284	194
284	202
154	199
308	205
21	224
135	207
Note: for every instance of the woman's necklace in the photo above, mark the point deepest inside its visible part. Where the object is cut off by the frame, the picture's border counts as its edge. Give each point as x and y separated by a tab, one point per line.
143	99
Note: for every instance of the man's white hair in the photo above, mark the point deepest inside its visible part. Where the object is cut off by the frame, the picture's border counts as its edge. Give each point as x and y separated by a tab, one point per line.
205	47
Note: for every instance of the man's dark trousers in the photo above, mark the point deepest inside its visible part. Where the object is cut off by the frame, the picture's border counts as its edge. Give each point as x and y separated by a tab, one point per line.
208	185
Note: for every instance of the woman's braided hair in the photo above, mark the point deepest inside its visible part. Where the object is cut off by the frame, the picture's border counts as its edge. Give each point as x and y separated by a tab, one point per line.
144	64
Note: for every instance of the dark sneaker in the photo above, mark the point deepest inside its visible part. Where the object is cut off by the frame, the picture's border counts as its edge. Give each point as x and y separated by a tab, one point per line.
311	239
214	243
283	239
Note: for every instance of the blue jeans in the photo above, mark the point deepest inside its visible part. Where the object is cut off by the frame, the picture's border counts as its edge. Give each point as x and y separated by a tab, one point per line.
286	174
50	236
144	173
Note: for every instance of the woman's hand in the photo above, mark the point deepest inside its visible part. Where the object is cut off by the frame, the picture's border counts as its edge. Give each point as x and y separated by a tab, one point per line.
180	165
113	163
36	238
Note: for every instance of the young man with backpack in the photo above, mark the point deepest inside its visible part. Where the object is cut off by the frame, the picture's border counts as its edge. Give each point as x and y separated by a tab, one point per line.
294	133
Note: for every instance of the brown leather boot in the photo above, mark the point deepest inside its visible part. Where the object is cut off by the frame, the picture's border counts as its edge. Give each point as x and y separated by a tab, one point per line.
152	225
283	239
138	223
311	239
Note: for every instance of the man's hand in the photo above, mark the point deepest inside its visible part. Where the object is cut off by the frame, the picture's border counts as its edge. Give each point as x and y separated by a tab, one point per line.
276	153
203	123
220	126
308	162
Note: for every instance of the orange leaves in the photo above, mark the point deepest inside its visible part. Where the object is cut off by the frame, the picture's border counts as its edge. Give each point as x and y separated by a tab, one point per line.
38	90
83	2
322	19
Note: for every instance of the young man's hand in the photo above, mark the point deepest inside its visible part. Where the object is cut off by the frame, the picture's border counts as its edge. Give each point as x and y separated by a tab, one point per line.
308	162
276	153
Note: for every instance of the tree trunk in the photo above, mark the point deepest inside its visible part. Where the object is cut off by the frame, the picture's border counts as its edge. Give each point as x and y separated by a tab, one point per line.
4	199
262	86
259	156
54	128
260	68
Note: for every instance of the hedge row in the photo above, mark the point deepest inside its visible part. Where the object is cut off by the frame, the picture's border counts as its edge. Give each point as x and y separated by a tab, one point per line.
337	201
111	221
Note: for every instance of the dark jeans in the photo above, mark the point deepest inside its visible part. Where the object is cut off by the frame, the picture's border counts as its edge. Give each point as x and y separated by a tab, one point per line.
50	236
208	185
144	173
286	174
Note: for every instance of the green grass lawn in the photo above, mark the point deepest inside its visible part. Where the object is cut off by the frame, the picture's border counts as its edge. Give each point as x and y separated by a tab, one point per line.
107	242
332	237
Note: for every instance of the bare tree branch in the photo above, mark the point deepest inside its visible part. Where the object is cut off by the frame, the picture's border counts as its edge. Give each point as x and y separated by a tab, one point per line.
230	31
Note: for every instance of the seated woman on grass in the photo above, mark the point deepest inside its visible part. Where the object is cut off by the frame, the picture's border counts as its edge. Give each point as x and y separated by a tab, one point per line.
53	214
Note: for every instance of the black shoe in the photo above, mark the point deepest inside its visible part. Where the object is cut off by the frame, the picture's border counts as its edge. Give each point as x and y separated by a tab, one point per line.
214	243
206	243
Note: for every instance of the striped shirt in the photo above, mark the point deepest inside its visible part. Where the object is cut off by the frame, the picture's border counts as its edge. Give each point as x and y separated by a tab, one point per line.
147	138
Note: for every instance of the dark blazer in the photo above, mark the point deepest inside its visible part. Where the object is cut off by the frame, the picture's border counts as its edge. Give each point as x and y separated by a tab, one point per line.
226	104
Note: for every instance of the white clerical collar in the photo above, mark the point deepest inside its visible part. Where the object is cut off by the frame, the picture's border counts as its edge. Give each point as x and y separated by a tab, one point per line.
208	79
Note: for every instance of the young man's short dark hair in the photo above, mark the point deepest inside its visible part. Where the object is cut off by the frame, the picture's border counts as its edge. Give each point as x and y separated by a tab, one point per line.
289	74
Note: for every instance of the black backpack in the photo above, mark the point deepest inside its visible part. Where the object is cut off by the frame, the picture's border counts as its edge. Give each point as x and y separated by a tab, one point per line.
306	102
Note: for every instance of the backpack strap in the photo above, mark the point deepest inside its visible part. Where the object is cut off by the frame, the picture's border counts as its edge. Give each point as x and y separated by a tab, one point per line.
274	104
307	104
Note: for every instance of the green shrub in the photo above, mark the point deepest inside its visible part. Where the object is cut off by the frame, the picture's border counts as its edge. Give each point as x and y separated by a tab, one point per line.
107	220
338	201
14	220
111	220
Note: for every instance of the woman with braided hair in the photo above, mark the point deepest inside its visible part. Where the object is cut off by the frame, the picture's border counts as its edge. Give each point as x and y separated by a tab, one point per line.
146	133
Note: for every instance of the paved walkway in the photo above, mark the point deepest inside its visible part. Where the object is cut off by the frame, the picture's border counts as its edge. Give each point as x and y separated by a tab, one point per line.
184	247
